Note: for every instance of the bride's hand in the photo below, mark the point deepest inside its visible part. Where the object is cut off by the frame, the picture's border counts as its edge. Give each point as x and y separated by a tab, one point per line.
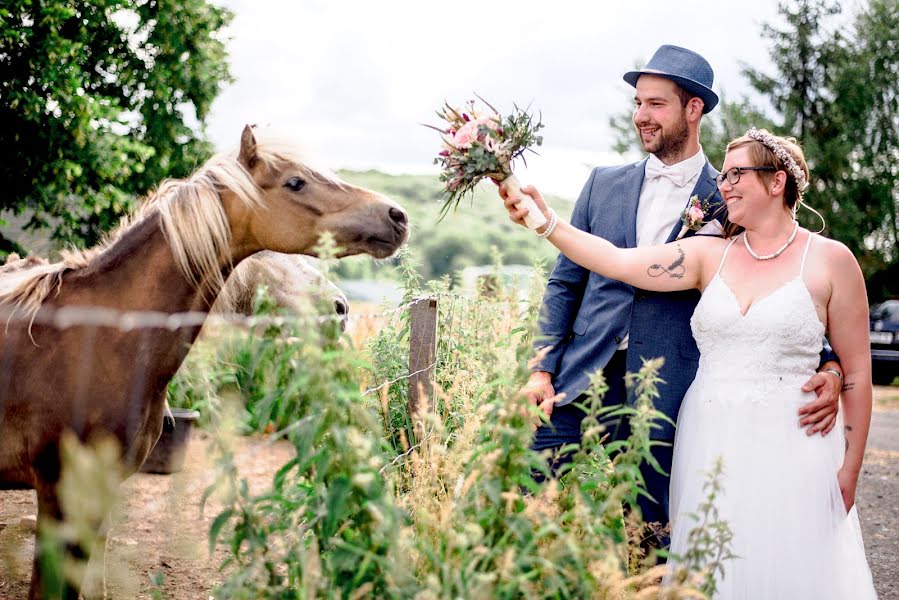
848	480
517	214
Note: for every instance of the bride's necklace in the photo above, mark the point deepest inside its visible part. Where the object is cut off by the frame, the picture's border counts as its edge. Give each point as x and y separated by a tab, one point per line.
777	252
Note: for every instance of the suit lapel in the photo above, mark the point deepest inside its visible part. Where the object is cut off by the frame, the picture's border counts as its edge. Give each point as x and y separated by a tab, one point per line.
706	187
633	185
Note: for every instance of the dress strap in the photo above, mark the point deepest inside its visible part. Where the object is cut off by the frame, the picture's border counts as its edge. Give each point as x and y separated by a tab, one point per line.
723	256
808	243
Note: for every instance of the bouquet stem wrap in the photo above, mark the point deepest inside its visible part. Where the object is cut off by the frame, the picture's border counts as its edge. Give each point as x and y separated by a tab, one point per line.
534	219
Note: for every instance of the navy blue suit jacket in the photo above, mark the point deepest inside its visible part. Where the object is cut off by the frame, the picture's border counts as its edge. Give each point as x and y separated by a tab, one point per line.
585	316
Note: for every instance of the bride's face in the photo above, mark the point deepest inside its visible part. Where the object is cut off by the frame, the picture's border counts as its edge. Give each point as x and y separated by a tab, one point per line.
749	194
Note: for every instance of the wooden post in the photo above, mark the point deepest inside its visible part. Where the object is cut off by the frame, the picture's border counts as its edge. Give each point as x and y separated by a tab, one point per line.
422	354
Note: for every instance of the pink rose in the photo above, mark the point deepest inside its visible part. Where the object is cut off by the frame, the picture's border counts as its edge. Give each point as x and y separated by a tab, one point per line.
466	135
696	214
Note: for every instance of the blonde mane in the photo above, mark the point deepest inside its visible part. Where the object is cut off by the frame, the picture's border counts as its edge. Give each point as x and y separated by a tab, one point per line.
193	222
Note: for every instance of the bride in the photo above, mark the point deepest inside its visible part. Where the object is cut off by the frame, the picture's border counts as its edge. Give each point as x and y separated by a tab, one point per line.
770	289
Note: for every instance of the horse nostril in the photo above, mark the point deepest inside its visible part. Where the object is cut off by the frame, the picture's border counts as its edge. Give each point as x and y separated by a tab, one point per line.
398	216
341	307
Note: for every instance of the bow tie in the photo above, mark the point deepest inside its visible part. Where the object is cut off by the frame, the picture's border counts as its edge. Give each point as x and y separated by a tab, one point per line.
655	169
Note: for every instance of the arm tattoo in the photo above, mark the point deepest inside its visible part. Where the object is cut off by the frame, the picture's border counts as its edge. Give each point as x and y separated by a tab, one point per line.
848	428
849	385
675	270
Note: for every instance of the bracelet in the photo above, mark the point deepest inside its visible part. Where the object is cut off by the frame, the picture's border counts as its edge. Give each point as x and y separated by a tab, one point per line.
834	371
553	221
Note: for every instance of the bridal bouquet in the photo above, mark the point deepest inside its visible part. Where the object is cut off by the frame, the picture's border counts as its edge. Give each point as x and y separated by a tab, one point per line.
479	143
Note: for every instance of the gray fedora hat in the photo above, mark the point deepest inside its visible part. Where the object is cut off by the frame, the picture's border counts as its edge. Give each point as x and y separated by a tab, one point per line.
685	68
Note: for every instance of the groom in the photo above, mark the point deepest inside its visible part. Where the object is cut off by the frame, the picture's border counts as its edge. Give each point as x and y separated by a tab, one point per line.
589	322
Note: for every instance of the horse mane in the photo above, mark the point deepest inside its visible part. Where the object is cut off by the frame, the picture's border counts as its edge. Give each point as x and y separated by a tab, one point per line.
192	219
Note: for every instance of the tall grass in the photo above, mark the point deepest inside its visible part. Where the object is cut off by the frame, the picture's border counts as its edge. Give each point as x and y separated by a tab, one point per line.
378	502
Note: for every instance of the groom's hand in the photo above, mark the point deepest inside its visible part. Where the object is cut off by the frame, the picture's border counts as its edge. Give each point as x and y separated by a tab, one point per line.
820	415
540	392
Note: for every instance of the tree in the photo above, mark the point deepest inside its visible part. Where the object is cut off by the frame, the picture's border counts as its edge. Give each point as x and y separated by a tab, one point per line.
804	55
99	100
868	96
836	92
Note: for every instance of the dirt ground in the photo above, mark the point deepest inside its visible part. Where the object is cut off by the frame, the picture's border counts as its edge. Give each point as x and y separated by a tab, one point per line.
161	531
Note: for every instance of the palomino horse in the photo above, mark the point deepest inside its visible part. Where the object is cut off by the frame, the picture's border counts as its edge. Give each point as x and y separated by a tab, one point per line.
293	283
173	257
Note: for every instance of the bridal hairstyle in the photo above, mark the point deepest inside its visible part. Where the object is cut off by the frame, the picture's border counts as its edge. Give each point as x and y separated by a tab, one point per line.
764	148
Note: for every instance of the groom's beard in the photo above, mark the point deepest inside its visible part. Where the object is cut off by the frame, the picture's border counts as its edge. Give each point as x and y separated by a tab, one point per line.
671	145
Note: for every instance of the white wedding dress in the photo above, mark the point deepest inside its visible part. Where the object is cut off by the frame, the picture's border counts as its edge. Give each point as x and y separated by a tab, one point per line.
791	533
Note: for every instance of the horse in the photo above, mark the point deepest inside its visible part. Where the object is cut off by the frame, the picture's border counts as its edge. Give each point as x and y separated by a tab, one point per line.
102	374
293	282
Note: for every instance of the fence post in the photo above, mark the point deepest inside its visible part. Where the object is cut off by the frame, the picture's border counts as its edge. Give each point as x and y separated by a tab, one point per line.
422	353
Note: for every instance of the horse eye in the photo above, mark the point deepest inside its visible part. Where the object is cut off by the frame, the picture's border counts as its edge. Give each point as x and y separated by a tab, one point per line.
295	184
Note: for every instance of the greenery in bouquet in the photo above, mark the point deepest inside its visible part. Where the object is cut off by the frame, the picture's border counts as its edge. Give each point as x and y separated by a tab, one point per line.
478	142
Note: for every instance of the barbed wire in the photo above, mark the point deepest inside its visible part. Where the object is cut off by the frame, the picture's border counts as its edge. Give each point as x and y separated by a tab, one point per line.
65	317
400	378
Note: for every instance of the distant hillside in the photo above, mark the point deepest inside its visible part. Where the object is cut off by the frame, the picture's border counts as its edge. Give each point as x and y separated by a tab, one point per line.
462	239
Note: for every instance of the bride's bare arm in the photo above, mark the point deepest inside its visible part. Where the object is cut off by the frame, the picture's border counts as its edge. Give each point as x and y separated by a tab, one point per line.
847	318
664	268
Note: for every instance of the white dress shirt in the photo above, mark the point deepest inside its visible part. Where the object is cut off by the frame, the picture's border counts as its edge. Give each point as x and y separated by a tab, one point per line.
663	198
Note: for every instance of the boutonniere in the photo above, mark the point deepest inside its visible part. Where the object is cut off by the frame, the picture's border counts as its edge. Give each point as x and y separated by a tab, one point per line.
695	215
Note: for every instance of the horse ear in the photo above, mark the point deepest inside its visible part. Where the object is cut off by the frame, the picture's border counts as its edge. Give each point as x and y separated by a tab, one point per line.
247	156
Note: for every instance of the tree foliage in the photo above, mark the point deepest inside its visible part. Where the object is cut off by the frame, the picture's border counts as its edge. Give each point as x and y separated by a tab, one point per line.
99	100
836	91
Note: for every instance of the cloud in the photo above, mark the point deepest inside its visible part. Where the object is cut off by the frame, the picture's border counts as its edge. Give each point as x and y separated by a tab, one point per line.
355	79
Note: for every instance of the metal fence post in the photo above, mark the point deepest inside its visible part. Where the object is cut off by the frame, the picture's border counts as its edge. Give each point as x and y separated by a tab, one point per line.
422	354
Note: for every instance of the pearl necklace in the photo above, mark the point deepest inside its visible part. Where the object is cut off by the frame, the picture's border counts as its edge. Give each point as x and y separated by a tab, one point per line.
777	252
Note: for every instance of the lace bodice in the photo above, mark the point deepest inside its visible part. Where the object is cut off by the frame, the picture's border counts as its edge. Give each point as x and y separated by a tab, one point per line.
777	342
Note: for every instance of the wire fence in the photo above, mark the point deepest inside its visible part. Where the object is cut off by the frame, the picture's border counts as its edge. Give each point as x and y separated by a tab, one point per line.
434	321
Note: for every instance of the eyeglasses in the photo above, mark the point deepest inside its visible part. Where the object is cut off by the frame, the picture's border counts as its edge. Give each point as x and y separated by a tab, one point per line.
733	174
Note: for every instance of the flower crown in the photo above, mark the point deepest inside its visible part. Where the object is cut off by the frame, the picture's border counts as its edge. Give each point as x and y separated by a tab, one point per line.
770	142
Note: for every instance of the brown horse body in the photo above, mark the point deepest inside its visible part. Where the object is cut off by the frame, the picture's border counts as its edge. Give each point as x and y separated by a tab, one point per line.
102	380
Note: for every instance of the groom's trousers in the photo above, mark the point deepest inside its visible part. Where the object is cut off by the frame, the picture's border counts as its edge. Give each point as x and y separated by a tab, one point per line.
565	428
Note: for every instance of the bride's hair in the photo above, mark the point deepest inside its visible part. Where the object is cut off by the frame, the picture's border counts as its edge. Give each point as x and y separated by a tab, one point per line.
764	148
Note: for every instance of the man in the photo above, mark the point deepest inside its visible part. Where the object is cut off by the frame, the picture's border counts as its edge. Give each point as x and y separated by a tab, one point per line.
589	322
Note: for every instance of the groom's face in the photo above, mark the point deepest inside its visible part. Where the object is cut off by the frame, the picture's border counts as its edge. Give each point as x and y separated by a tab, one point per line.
660	117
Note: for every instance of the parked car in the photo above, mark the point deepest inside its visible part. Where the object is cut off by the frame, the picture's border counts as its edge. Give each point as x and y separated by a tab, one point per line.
885	341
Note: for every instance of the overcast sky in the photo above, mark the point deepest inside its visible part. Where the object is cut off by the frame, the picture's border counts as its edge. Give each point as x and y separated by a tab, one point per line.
354	78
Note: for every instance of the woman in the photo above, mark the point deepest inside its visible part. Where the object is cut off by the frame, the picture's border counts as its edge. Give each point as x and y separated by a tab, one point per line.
770	291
